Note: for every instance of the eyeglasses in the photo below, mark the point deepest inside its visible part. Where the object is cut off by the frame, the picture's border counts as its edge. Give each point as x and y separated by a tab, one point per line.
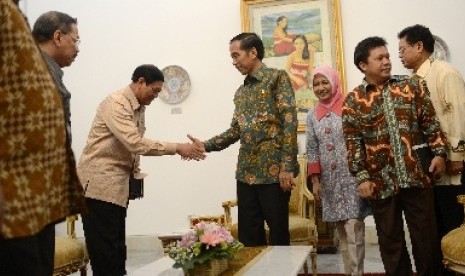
402	49
76	41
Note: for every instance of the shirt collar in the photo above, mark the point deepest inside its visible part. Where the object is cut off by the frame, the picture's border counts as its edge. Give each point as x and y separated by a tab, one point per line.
258	75
129	94
53	64
424	68
321	111
395	78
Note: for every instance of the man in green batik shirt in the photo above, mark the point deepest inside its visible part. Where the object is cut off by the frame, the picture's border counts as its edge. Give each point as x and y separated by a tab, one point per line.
265	121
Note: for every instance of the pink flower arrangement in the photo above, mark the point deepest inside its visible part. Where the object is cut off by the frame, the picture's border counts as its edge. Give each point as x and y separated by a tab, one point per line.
203	242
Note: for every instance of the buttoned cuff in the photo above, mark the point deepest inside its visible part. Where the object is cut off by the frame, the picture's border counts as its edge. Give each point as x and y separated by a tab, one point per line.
208	146
170	148
362	176
314	168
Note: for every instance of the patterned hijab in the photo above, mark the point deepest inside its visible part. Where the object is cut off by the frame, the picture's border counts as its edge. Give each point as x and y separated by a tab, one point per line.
334	104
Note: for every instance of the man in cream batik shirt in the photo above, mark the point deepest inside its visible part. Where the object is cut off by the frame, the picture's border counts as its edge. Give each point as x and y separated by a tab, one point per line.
447	92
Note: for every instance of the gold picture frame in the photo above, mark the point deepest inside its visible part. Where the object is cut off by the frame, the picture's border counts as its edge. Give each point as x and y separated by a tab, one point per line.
280	23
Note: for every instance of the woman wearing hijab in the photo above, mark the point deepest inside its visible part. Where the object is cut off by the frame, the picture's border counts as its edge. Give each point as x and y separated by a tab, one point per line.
333	185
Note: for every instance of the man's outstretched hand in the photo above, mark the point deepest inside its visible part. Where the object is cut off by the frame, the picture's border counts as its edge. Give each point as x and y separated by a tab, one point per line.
192	151
199	145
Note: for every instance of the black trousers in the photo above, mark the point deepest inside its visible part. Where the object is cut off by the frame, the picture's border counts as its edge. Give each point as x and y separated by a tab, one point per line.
28	256
449	213
417	205
260	203
105	231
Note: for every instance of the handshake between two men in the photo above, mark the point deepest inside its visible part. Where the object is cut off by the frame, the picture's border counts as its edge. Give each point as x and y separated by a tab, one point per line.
191	151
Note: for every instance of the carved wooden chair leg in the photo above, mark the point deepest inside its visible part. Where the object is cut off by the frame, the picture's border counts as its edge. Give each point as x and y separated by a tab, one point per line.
305	268
313	256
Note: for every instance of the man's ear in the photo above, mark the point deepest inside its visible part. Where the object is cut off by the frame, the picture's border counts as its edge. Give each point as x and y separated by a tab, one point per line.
419	46
57	37
253	52
363	66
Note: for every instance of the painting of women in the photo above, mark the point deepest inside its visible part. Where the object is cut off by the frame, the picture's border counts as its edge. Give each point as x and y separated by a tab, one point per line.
300	63
299	66
282	38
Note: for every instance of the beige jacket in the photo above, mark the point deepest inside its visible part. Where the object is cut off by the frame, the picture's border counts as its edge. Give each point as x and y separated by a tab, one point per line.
113	147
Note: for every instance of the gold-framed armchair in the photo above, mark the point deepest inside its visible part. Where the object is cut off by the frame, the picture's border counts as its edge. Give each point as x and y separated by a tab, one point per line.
302	224
218	219
453	246
70	253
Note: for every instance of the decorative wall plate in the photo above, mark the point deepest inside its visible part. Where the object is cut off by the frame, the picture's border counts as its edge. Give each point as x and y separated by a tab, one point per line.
441	51
177	84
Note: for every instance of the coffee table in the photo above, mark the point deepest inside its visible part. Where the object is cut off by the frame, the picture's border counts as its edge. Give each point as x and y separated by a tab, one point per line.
278	260
169	240
270	261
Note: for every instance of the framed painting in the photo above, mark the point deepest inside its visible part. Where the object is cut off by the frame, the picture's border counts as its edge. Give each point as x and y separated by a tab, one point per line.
298	35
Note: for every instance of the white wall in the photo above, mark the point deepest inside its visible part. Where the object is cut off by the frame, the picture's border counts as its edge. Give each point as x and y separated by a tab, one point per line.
363	18
118	35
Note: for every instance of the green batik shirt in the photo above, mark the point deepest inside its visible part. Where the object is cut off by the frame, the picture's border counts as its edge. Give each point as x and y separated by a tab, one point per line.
265	121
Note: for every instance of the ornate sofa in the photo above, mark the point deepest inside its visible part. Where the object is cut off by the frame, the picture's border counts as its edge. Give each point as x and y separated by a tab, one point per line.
70	253
453	246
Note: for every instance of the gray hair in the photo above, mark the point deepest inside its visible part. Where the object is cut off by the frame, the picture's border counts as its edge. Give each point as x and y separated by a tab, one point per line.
48	23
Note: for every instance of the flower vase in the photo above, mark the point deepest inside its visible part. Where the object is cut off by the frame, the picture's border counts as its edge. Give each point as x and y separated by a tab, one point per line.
211	267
